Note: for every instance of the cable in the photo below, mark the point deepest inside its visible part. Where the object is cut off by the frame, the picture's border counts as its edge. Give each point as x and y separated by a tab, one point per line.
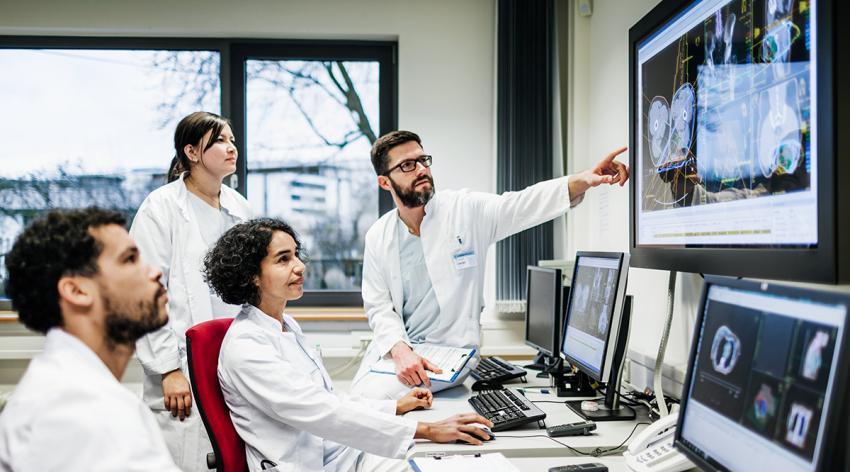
662	346
354	360
628	401
598	452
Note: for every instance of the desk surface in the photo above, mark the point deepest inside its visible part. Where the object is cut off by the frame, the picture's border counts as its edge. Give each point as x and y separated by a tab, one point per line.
529	441
542	464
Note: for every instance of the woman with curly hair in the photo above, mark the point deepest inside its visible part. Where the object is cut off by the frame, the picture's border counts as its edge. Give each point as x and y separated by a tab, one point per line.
281	399
174	228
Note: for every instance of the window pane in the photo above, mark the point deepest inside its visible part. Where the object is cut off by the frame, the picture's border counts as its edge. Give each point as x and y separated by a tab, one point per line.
310	126
92	127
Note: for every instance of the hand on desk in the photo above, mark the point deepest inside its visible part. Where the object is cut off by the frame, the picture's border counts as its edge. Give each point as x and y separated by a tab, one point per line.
415	399
457	427
410	367
177	394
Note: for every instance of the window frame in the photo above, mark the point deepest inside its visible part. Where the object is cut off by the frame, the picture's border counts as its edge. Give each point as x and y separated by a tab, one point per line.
233	54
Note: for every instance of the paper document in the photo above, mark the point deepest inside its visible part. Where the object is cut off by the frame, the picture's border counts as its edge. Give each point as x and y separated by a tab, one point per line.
451	359
495	462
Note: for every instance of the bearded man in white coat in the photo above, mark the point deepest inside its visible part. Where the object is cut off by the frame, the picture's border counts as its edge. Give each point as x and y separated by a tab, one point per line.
423	265
77	277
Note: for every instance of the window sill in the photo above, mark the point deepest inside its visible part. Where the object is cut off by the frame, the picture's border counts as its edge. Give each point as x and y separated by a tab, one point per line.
327	313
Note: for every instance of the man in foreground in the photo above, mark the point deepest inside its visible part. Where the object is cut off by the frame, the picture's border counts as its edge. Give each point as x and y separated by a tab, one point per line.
76	276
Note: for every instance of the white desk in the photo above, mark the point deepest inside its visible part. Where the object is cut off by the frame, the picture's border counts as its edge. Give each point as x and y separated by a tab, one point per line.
542	464
517	443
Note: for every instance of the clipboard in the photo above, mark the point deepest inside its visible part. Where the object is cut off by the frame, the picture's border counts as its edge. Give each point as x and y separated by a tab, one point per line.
454	359
493	462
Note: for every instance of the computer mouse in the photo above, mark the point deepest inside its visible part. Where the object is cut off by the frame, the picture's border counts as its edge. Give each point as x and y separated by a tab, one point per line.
482	428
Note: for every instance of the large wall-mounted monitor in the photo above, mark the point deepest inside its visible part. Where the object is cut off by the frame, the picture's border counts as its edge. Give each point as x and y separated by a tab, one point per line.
766	381
733	116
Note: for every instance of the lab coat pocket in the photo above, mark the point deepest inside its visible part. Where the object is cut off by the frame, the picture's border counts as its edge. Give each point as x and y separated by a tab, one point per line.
319	379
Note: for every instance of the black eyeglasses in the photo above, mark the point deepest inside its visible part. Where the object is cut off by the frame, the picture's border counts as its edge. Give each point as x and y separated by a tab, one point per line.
410	164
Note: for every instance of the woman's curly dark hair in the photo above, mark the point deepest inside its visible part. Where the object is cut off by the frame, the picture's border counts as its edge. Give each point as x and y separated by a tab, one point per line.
233	264
57	245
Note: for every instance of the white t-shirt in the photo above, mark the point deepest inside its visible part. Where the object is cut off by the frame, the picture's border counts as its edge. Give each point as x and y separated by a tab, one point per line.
420	311
213	222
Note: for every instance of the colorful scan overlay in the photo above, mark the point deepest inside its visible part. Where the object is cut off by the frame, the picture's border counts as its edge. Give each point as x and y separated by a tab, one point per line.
765	371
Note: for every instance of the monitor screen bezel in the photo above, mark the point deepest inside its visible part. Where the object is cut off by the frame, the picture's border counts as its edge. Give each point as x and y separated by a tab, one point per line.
557	315
817	264
839	386
616	315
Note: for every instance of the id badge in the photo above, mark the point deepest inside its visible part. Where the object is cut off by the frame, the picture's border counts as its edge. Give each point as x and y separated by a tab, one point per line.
464	259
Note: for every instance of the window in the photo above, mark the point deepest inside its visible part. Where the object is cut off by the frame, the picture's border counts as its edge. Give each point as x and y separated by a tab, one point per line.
88	127
311	114
92	121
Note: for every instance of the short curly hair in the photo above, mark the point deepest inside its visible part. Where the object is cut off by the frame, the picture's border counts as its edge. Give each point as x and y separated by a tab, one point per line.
58	245
233	264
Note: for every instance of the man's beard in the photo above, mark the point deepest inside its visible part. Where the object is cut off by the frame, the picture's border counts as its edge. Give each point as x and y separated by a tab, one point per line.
123	328
414	198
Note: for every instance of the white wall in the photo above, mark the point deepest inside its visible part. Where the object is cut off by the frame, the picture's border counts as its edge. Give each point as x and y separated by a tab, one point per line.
600	124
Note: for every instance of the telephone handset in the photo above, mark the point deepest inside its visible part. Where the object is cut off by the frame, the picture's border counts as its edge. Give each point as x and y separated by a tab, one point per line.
652	450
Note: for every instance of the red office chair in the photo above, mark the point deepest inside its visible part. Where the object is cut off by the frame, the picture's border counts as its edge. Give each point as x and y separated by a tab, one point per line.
203	343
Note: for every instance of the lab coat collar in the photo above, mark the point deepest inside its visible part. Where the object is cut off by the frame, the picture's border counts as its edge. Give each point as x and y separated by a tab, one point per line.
226	199
267	322
430	210
57	340
431	207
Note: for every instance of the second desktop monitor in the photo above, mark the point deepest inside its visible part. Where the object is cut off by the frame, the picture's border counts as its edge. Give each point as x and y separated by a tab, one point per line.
596	329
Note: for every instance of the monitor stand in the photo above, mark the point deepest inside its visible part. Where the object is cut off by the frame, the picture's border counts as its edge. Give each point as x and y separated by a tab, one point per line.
606	412
547	365
539	362
611	409
573	385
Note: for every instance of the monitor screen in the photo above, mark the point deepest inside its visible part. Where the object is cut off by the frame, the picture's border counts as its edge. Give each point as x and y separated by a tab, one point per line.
726	120
593	310
759	388
733	132
543	310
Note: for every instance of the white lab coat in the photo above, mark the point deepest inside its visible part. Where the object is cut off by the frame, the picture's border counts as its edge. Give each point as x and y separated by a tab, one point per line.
457	231
69	413
283	405
167	234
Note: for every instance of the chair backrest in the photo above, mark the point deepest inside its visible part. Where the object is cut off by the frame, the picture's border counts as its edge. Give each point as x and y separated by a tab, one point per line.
203	343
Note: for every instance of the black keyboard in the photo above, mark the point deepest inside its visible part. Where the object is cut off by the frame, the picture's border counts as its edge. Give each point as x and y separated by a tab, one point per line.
492	370
506	409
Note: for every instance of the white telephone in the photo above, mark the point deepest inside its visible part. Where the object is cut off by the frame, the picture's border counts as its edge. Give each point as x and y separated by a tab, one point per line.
652	450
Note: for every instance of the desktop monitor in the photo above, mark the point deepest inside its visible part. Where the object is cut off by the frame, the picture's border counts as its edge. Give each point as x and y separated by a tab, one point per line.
543	311
734	112
596	325
766	376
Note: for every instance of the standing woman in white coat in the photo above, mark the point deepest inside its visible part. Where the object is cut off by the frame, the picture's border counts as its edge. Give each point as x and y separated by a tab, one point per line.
174	227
